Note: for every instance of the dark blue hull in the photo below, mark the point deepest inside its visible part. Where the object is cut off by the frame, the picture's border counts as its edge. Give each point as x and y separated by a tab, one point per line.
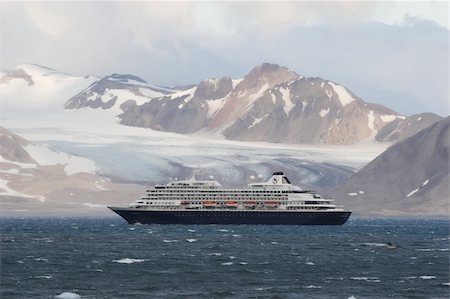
232	217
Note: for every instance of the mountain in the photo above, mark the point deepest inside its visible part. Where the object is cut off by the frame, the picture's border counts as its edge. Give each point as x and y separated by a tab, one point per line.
409	178
114	90
271	103
35	179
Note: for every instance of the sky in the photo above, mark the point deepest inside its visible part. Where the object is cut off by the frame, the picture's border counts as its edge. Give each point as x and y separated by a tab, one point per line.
392	53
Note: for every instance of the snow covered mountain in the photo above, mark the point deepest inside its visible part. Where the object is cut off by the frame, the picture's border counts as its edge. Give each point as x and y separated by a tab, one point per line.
271	103
31	89
411	177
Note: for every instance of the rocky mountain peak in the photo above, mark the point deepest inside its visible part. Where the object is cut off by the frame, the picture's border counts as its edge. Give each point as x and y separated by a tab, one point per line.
212	89
267	73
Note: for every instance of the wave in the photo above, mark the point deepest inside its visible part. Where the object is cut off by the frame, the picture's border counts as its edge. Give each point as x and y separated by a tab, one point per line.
129	261
427	277
364	278
68	295
191	240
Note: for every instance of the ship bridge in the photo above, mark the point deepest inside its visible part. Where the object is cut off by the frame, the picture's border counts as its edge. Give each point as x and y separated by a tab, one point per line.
277	181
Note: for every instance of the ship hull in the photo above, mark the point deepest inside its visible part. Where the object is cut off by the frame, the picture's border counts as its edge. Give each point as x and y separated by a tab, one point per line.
132	216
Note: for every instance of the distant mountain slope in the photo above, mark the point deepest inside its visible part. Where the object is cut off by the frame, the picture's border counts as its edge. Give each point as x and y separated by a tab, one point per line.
410	177
37	180
400	129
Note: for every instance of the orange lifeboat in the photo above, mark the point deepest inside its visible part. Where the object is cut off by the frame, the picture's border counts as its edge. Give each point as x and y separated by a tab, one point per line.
231	203
209	203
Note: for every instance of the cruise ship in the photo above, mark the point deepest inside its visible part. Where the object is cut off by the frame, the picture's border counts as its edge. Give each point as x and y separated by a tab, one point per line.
192	201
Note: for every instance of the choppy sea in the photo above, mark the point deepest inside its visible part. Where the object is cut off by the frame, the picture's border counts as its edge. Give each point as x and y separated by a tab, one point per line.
107	258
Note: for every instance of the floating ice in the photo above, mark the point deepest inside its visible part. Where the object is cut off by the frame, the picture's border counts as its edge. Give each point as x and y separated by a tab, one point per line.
243	263
191	240
427	277
68	295
129	261
227	264
44	276
170	241
309	263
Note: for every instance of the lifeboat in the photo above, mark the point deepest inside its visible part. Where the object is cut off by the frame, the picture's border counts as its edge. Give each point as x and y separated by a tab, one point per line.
209	203
272	204
231	203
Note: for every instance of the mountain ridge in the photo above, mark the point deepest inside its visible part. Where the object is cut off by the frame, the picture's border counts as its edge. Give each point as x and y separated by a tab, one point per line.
271	103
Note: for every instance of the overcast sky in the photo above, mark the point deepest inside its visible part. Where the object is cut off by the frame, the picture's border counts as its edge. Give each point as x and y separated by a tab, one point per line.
394	53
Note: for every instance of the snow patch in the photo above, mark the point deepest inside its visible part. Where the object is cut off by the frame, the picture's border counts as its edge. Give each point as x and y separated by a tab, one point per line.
388	118
255	96
424	183
257	120
5	190
412	192
419	119
324	112
286	96
189	93
352	194
214	106
45	156
343	95
235	82
304	104
371	123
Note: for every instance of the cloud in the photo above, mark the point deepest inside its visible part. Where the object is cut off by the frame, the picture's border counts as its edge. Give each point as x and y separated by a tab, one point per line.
395	53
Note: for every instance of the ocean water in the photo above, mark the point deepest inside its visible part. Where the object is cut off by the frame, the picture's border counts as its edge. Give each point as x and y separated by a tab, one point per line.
107	258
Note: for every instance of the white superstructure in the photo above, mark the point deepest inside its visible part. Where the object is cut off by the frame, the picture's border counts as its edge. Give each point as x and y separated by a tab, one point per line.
277	194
